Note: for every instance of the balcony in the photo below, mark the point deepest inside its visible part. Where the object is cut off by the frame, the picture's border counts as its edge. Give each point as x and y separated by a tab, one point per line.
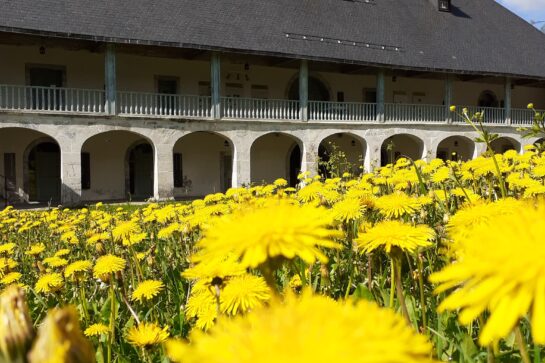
58	100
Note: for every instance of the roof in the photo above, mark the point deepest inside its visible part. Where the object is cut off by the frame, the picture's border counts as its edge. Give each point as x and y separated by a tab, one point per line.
478	36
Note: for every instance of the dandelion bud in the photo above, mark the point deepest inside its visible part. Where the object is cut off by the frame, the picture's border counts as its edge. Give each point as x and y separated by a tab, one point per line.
16	332
60	339
99	248
465	111
530	106
452	108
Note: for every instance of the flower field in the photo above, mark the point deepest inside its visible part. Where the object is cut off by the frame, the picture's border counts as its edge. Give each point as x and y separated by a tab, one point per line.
415	262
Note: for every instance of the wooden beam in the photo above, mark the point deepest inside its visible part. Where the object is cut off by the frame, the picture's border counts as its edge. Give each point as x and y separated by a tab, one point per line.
110	79
303	90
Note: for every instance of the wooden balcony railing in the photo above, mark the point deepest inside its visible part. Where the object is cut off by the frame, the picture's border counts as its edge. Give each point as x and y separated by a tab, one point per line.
158	104
259	109
73	100
51	99
341	111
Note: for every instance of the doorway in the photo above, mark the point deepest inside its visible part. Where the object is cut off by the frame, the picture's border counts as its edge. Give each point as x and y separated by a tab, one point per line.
141	171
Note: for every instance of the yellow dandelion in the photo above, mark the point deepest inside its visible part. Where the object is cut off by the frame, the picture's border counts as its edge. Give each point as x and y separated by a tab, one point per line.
308	329
147	290
124	230
146	335
243	293
50	282
389	234
7	248
35	249
108	264
502	270
62	252
397	205
77	268
55	261
10	278
96	330
176	350
348	210
257	234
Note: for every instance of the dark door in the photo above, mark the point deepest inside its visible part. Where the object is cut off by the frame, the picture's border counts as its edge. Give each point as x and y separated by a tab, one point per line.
166	100
46	95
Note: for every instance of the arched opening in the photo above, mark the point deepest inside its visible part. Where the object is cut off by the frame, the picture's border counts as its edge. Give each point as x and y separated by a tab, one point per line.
503	144
401	145
317	90
44	172
340	153
488	99
456	148
540	144
274	156
30	167
117	165
203	164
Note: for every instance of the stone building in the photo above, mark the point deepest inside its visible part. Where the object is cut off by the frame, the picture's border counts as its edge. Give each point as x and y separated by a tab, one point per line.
118	99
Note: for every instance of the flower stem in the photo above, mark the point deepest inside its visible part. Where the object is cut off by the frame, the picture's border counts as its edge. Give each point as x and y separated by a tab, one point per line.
522	345
424	328
392	282
112	318
399	290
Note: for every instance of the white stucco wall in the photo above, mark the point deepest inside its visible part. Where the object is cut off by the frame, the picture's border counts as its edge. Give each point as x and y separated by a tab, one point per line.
270	156
462	146
202	155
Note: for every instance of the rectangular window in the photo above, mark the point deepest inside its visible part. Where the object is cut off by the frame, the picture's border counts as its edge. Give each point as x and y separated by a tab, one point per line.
85	171
234	90
167	101
9	172
178	171
167	85
340	96
369	95
46	80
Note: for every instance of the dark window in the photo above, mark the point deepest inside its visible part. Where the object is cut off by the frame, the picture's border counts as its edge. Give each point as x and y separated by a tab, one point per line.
370	95
85	171
9	171
178	171
45	94
340	96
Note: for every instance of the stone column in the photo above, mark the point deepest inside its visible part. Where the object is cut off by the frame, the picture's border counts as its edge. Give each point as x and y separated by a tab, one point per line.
309	157
380	96
372	154
215	85
70	171
241	161
303	91
163	167
110	79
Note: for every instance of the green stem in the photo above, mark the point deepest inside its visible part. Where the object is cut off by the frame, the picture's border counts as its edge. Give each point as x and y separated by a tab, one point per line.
112	319
522	345
424	328
399	290
392	283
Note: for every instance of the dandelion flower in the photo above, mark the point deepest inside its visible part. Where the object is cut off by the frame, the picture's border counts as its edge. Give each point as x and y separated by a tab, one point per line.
502	270
77	267
108	264
146	335
10	278
310	329
50	282
123	230
35	249
279	229
389	234
62	252
96	330
7	248
397	205
348	210
55	261
176	350
147	290
243	293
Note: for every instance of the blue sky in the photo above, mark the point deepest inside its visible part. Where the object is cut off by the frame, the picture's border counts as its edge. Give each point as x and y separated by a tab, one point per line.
531	10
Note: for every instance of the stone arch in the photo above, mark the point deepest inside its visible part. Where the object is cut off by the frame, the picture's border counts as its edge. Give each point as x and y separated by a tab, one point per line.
318	88
354	148
456	148
540	143
121	166
30	166
276	155
504	143
203	164
488	98
401	145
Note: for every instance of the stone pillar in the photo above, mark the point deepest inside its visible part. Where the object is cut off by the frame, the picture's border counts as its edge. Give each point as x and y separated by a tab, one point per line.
309	157
110	79
380	96
372	154
241	162
215	85
448	98
163	171
303	90
507	100
70	171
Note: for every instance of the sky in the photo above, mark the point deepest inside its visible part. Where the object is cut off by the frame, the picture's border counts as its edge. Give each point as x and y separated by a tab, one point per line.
531	10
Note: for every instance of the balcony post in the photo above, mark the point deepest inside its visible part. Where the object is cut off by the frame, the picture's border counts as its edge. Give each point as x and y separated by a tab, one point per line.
507	100
303	90
110	79
448	99
215	85
380	96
